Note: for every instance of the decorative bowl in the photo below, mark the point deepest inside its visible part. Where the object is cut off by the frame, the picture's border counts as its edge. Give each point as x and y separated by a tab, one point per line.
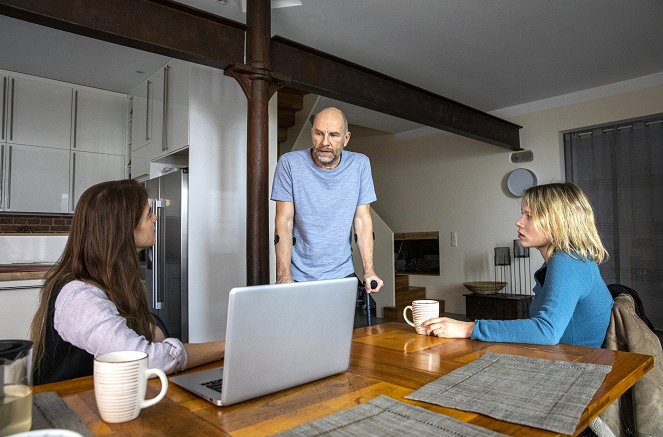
484	287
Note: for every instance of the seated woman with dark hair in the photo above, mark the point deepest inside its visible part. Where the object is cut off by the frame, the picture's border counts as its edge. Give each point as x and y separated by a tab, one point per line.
571	302
93	300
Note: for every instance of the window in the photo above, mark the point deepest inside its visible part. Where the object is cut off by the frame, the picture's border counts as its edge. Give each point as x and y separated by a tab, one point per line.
620	168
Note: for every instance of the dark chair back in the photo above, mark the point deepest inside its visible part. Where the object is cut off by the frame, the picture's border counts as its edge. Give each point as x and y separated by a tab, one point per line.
617	289
160	324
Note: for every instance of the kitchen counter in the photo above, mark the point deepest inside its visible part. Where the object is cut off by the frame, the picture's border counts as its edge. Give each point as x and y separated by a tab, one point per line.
20	272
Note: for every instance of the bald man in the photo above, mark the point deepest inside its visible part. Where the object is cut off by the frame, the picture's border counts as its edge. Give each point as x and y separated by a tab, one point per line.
320	193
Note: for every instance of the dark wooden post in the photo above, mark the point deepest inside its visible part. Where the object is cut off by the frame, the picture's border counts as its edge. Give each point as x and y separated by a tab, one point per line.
258	84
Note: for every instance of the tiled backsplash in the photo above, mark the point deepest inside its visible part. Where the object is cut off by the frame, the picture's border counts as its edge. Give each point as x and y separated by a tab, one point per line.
42	224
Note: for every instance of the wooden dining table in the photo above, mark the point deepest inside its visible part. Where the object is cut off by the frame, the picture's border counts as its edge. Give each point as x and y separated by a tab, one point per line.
388	359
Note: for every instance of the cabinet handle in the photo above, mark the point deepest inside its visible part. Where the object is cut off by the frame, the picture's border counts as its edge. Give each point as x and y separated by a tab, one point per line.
148	107
157	257
130	134
4	105
73	181
11	114
9	178
75	135
166	98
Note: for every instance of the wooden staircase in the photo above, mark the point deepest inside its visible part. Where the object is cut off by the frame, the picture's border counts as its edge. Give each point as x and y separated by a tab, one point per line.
405	294
289	102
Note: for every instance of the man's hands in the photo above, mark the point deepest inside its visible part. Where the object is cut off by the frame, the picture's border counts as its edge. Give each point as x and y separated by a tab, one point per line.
370	277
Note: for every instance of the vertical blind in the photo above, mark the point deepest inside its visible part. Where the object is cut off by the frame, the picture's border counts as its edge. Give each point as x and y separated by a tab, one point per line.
620	168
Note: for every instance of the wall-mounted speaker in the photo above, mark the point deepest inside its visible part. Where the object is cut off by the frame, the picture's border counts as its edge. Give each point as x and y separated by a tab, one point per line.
522	156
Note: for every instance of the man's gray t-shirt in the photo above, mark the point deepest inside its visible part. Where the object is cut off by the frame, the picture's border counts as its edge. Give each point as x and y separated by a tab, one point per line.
325	202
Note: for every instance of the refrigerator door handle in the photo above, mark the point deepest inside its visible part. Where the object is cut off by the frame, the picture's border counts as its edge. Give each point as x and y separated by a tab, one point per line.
157	255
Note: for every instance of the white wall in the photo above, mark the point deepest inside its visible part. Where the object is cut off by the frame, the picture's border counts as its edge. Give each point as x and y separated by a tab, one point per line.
444	182
217	189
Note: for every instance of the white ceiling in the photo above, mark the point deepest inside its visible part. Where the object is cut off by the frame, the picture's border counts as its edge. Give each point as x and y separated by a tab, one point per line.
488	54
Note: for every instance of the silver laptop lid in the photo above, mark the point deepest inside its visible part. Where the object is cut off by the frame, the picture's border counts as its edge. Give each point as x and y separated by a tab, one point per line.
282	335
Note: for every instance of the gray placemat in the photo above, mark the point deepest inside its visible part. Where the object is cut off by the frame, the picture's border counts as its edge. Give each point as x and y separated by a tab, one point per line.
531	391
384	416
50	411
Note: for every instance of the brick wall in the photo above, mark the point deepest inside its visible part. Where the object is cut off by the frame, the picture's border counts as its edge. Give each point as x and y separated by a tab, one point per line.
43	224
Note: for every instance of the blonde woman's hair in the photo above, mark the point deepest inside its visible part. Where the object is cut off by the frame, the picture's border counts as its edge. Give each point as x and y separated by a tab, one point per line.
562	212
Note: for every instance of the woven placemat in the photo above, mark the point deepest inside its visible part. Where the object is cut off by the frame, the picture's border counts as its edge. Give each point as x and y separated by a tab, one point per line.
386	417
50	411
536	392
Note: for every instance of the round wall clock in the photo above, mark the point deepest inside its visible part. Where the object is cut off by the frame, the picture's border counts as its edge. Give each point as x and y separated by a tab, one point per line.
520	180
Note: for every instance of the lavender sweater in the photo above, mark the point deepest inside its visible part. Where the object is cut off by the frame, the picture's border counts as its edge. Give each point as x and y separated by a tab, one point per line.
86	318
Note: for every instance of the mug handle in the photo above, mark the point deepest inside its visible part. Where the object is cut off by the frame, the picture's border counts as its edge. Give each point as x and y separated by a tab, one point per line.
164	387
408	321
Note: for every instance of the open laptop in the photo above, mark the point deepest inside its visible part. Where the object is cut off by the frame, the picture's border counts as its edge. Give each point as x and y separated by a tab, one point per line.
279	336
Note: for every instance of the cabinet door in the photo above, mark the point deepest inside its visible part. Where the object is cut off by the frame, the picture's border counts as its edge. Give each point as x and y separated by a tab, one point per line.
139	128
17	307
99	122
38	179
177	78
156	112
139	168
147	113
39	113
91	168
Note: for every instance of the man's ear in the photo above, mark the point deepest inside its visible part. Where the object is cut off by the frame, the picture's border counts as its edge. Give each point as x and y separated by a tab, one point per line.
347	138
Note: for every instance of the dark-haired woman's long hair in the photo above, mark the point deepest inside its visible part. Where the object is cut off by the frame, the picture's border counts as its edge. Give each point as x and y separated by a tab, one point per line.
101	251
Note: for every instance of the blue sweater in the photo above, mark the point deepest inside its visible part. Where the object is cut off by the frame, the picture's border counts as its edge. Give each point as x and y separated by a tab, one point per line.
571	305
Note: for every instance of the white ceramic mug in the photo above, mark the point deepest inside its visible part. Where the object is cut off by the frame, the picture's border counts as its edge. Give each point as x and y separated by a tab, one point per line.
422	310
120	383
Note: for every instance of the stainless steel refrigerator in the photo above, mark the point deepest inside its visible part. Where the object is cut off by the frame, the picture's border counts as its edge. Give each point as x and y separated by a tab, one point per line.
166	263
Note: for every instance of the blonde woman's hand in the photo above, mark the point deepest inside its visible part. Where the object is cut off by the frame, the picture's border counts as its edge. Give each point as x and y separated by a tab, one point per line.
449	328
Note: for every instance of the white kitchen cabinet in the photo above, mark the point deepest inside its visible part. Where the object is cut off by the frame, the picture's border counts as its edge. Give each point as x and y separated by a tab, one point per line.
147	124
18	304
138	117
140	164
147	111
57	140
91	168
143	103
160	116
99	121
35	179
177	75
36	112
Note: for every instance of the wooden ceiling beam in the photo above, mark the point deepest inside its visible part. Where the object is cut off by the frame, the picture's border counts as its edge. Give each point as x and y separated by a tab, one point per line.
317	72
159	26
172	29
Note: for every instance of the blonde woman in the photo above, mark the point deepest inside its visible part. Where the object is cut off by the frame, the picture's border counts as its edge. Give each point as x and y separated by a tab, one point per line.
93	300
571	302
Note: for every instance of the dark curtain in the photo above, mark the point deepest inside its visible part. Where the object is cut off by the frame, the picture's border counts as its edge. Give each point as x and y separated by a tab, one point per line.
620	168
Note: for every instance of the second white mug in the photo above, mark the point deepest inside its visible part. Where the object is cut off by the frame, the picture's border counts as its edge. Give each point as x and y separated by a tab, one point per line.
120	383
422	310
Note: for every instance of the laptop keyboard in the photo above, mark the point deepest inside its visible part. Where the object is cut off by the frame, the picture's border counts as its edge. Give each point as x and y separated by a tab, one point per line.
214	384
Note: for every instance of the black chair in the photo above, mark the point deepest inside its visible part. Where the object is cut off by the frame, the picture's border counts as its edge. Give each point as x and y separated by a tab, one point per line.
160	324
617	289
